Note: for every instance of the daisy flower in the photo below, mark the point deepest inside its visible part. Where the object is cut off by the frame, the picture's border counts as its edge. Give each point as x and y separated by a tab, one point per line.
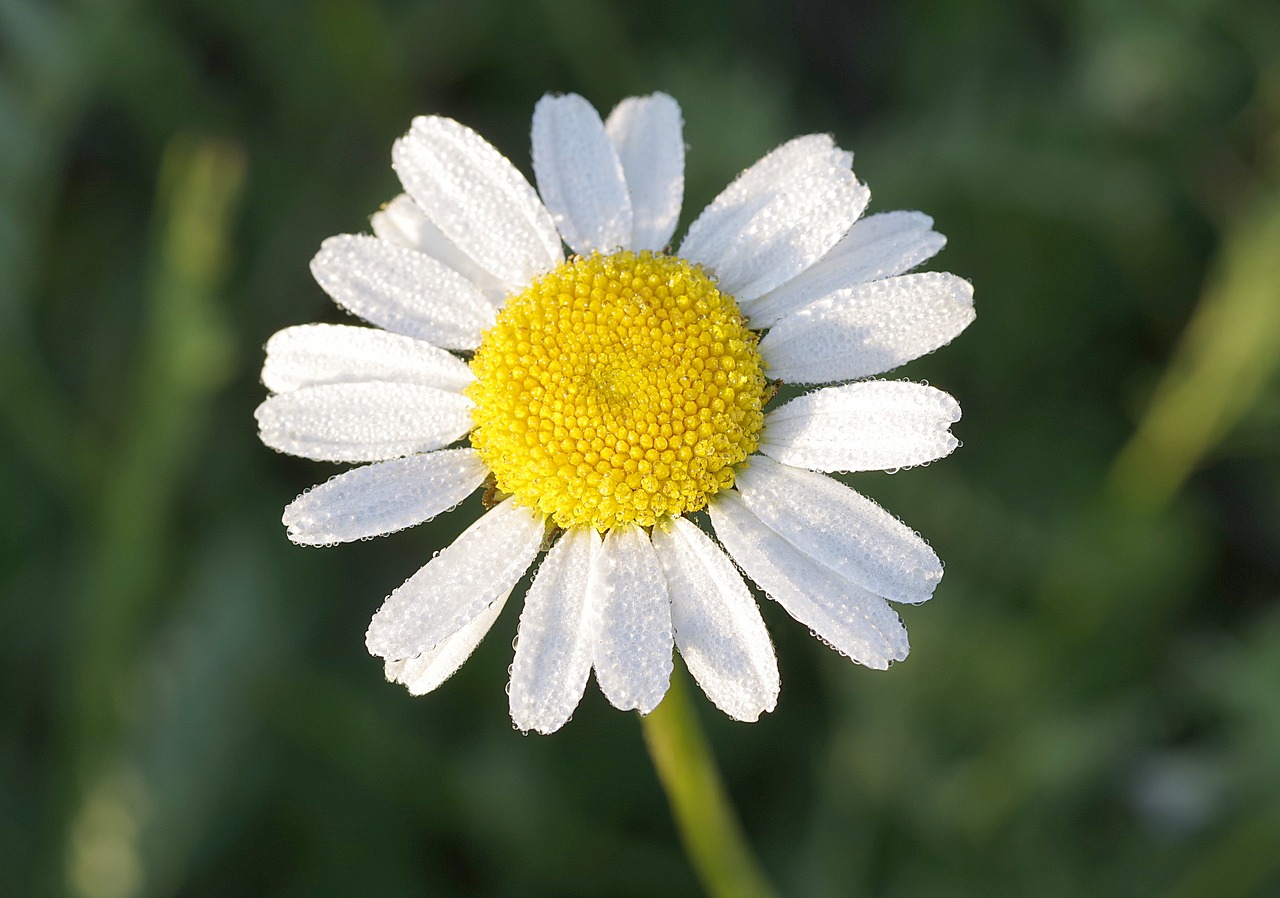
607	397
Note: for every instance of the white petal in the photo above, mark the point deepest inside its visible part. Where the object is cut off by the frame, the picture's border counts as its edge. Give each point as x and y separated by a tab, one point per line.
718	627
402	222
648	134
868	329
557	626
579	175
477	199
778	218
363	422
875	247
841	529
873	425
853	621
384	497
454	588
430	669
402	290
718	226
633	647
313	354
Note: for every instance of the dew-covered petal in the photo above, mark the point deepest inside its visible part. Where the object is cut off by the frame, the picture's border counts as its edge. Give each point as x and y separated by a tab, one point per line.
384	497
719	225
877	246
557	630
579	175
402	222
402	290
363	421
718	627
634	642
841	529
868	329
853	621
477	199
648	134
428	670
313	354
872	425
454	588
778	218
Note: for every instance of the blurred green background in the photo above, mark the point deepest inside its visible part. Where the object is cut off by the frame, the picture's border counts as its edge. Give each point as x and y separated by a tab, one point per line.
1092	706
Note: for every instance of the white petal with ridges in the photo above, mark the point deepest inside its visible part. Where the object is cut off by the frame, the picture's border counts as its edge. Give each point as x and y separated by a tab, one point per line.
779	217
313	354
402	222
384	497
718	627
428	670
363	421
454	588
869	329
556	640
477	199
402	290
841	529
647	133
872	425
853	621
877	246
634	642
579	175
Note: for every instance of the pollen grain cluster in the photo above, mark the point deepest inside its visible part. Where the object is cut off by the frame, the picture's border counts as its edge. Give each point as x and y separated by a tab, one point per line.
617	389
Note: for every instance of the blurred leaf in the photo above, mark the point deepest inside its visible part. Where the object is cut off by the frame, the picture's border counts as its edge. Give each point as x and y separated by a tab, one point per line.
1230	352
184	361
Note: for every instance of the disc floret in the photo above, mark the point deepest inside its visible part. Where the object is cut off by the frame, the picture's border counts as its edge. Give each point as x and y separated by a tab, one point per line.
617	389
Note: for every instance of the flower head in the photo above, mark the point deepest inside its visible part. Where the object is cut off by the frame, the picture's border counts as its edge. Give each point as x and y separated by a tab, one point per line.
607	397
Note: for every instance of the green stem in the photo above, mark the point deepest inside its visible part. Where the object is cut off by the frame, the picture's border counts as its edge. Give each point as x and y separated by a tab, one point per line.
709	827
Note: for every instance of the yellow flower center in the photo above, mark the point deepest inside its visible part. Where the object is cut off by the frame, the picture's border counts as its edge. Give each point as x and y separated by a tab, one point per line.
617	389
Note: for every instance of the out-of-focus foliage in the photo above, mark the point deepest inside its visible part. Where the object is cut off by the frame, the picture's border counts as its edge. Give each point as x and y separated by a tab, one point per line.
1093	701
